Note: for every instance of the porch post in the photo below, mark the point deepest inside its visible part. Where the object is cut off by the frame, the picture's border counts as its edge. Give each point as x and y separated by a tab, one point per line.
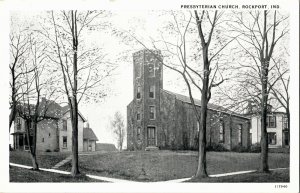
17	144
24	141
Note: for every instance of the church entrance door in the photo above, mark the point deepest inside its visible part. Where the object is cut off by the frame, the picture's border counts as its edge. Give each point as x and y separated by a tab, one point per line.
151	136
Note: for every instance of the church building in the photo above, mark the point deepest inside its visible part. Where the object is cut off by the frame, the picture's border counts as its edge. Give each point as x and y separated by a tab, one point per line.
160	119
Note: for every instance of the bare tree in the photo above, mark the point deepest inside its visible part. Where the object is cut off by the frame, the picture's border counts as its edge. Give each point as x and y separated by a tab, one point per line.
118	128
35	84
281	90
186	54
19	45
81	65
260	33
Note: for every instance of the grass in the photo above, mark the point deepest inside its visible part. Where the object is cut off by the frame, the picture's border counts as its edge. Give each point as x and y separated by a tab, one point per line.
273	176
167	165
156	165
44	159
27	175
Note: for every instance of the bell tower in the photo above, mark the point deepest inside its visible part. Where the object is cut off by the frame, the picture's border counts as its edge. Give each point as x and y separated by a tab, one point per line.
147	83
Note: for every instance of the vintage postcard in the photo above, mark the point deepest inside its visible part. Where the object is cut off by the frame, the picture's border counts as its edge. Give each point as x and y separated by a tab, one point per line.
149	96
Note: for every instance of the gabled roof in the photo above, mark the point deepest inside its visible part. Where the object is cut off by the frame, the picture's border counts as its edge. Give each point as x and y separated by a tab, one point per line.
47	108
66	108
198	103
88	133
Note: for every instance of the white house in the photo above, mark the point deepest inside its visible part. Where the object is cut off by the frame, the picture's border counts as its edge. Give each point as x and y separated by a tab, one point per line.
54	132
277	129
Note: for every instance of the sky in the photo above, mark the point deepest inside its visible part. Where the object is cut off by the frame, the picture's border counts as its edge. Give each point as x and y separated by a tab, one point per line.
100	114
143	24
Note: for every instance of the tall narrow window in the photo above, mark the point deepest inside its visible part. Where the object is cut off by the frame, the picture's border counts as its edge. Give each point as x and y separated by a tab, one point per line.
152	112
138	133
198	126
18	123
271	121
138	92
138	116
151	70
65	142
152	92
240	133
221	132
65	127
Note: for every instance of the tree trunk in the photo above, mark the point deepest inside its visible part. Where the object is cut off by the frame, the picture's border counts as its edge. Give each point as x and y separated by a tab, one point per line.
32	146
264	137
12	115
201	170
74	119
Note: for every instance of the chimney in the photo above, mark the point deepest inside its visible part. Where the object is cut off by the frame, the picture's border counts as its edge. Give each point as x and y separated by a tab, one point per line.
86	125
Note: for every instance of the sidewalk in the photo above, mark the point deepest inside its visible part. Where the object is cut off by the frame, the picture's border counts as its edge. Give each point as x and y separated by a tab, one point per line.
115	180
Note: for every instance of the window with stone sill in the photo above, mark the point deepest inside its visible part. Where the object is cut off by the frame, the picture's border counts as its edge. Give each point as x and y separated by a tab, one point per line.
138	92
240	131
138	116
221	132
152	92
64	141
152	112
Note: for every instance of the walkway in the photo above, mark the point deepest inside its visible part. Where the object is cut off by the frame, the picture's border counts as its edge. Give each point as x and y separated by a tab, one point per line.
115	180
62	162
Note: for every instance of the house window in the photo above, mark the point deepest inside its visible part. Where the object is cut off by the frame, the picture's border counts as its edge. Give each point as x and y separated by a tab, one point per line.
49	134
138	133
272	138
221	132
43	140
138	116
65	125
151	70
138	93
152	112
240	133
285	123
271	121
64	141
152	92
18	123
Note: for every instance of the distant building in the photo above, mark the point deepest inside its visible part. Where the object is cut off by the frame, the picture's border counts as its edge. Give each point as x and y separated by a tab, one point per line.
277	127
157	118
54	132
105	147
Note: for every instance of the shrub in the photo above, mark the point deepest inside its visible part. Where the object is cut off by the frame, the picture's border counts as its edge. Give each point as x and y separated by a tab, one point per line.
255	148
240	149
56	150
215	147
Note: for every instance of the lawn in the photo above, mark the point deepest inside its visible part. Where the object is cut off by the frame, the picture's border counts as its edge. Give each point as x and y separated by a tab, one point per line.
168	165
27	175
44	159
157	165
273	176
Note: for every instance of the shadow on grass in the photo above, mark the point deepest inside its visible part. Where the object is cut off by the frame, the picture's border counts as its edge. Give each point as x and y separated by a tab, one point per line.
28	175
256	177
